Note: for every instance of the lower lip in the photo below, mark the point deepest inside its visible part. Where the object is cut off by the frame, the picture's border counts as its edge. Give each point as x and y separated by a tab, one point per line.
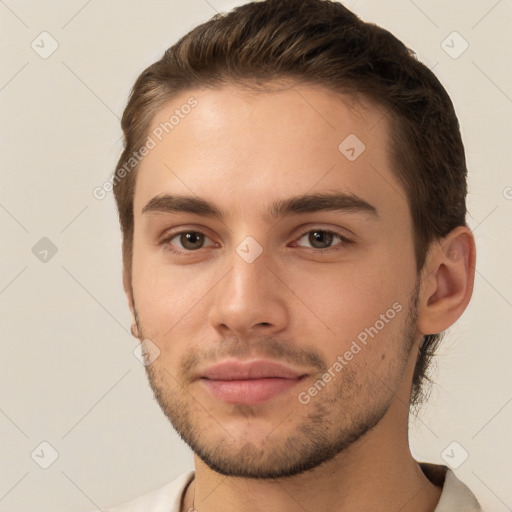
249	392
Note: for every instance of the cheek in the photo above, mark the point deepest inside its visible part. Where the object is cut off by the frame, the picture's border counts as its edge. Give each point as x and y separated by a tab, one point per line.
345	299
359	302
165	294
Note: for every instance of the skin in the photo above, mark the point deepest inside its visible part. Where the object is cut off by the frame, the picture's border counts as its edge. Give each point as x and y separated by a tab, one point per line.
347	449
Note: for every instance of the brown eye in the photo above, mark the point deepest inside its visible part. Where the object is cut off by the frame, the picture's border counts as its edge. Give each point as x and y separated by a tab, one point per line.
187	241
191	240
320	239
320	242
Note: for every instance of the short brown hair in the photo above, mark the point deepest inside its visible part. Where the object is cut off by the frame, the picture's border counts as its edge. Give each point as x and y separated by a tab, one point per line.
319	42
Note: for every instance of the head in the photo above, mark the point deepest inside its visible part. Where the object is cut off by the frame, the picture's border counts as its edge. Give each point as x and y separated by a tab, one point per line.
245	115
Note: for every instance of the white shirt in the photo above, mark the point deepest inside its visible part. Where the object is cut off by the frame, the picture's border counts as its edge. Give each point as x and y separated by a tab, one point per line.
455	496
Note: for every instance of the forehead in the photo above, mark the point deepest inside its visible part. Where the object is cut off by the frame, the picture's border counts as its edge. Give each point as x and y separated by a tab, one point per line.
244	147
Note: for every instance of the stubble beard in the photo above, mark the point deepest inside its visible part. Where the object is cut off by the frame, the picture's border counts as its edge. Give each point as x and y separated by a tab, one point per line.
325	427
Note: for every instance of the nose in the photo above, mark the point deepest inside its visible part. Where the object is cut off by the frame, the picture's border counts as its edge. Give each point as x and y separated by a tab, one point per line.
250	299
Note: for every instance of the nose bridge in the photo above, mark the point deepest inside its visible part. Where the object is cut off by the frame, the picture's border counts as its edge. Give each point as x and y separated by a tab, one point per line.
249	296
248	278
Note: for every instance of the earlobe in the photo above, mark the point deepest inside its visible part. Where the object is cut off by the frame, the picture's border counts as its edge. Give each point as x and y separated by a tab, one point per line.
447	281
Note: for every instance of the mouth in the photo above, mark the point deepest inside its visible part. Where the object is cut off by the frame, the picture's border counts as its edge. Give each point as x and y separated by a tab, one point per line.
249	382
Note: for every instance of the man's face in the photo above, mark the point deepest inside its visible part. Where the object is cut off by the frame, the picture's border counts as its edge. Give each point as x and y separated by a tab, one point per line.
328	294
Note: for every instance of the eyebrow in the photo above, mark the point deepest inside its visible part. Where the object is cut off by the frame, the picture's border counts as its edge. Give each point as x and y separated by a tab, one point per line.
283	207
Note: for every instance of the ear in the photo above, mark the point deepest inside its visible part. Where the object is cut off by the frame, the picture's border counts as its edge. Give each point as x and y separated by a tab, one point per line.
127	285
447	281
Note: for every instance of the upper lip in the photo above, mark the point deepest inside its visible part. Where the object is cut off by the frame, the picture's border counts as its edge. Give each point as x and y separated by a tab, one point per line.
254	369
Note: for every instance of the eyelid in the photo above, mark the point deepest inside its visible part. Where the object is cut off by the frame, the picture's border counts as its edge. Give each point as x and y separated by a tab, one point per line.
169	235
194	231
341	231
344	239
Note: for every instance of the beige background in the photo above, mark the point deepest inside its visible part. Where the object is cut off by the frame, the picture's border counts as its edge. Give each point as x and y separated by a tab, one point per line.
67	369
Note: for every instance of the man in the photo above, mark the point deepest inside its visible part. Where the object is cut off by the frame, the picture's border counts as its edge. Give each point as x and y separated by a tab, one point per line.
292	201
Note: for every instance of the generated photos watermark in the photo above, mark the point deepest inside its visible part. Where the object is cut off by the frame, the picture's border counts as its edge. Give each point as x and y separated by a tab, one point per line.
355	348
152	141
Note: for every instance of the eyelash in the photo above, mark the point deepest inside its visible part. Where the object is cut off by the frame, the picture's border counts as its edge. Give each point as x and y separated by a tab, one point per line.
338	247
335	248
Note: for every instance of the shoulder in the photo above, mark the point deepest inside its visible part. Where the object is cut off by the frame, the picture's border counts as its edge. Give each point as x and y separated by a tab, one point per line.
163	499
455	495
